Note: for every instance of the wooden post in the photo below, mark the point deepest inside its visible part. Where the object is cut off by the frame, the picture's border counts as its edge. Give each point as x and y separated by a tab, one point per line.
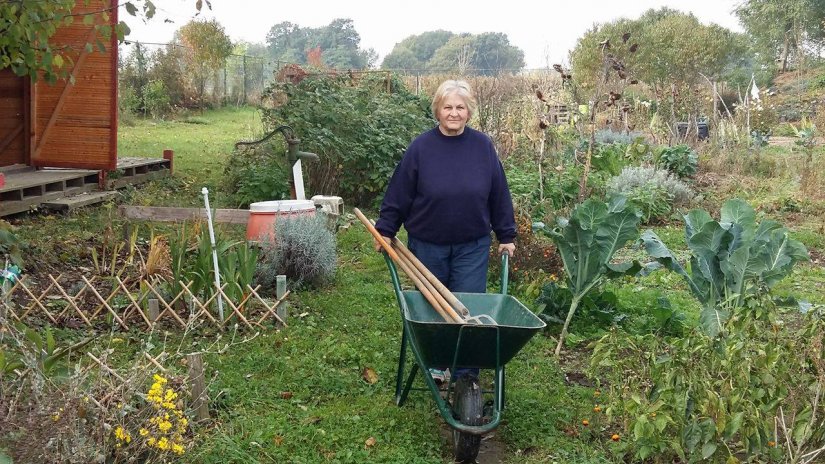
280	291
153	309
200	399
170	155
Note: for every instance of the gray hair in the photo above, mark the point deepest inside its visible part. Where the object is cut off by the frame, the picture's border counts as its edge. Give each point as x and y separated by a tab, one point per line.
460	88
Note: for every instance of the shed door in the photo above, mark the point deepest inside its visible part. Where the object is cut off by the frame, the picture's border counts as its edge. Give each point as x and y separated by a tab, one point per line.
75	125
13	101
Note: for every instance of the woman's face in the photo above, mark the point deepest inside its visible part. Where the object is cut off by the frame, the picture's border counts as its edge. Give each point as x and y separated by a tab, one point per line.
453	114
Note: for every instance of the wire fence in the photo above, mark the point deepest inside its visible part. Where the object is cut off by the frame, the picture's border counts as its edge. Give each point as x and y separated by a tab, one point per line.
243	78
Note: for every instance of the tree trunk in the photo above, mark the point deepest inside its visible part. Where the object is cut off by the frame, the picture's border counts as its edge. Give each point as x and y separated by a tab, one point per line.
786	49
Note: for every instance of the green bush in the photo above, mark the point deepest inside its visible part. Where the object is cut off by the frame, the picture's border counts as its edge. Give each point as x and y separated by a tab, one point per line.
257	174
654	191
303	249
359	128
156	99
680	160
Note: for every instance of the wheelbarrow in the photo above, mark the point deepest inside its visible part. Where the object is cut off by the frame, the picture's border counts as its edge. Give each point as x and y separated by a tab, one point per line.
507	325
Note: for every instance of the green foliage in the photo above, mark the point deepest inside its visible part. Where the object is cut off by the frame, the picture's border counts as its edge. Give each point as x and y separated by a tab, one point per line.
733	261
10	245
607	136
156	99
597	310
777	25
303	249
36	346
486	54
257	174
338	41
671	46
587	242
358	128
701	398
680	160
654	191
27	26
416	50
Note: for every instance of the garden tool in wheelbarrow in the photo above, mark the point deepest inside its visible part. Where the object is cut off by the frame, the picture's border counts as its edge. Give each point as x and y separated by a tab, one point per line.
480	330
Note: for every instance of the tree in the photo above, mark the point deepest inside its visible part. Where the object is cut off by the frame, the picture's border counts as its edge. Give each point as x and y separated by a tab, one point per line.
339	44
671	47
209	45
494	54
26	27
416	50
783	27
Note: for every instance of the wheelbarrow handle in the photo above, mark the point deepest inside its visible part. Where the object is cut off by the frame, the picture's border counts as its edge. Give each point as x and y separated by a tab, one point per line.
505	272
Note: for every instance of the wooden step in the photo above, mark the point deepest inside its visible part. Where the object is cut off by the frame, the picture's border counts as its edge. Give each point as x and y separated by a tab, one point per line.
67	204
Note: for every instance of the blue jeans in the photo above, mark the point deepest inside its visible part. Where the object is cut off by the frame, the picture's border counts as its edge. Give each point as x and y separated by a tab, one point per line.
461	268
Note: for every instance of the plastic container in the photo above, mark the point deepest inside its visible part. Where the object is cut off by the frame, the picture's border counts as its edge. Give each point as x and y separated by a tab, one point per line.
262	216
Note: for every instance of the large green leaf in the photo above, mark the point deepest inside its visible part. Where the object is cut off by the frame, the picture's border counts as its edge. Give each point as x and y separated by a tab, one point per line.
694	221
737	211
778	256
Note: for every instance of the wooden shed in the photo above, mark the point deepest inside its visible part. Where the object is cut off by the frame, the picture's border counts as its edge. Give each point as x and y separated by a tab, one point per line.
69	124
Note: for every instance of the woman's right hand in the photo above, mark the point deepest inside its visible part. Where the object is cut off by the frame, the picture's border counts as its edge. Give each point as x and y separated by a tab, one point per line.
378	246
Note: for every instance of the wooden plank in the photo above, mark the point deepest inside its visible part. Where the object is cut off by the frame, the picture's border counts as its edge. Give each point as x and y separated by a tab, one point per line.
71	203
138	178
26	179
19	206
172	214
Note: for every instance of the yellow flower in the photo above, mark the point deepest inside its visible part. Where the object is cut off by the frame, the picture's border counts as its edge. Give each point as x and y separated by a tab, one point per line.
122	435
177	449
159	379
163	444
143	432
151	442
164	426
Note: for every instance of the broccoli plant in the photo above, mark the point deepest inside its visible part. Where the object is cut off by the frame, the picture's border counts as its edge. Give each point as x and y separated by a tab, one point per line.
733	259
587	242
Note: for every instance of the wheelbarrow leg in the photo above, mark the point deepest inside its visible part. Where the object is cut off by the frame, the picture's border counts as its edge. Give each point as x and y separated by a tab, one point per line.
402	392
500	389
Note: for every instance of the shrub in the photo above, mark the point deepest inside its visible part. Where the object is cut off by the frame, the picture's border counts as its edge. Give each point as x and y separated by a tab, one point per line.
303	250
257	174
607	136
680	160
156	99
654	191
359	128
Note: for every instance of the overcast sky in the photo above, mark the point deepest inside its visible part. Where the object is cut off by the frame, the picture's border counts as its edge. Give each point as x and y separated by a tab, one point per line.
544	30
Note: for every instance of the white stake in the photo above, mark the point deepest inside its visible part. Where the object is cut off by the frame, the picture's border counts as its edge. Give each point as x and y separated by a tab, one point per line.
205	193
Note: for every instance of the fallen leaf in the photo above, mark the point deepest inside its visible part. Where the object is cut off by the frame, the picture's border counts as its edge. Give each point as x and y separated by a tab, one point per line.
278	440
369	375
286	395
369	443
312	420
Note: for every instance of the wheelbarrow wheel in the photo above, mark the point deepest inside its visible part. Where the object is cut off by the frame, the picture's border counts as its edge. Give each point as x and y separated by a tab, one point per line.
469	409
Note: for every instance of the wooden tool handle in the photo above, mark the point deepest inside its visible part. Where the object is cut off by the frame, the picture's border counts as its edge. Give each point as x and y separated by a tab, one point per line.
444	291
447	313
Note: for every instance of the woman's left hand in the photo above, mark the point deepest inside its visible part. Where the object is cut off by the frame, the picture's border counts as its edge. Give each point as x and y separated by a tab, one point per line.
509	248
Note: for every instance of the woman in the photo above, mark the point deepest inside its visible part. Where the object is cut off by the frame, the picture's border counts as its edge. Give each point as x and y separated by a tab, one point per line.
449	191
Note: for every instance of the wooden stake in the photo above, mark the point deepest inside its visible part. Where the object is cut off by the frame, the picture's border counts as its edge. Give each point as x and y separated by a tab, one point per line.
200	399
153	308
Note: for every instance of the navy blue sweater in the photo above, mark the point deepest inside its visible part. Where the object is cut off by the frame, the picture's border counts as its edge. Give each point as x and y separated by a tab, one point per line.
449	190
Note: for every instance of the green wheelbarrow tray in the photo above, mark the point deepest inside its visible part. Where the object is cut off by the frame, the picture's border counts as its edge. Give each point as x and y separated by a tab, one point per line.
439	344
484	346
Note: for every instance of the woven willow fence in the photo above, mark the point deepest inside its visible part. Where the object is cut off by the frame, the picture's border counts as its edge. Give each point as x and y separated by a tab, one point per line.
83	302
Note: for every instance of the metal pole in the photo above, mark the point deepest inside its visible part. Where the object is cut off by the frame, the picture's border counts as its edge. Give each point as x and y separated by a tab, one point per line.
244	79
205	193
